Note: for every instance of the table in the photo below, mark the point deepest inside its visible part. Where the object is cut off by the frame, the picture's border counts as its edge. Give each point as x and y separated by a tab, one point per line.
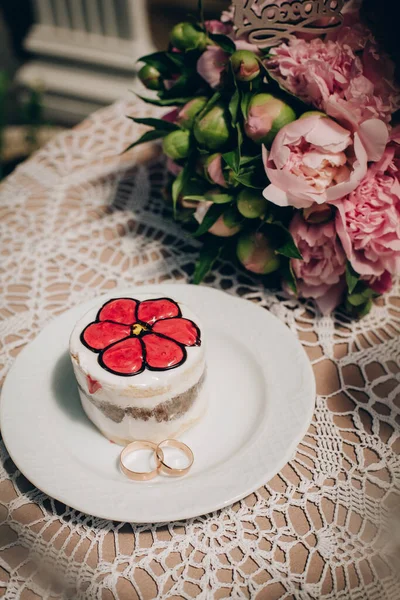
77	220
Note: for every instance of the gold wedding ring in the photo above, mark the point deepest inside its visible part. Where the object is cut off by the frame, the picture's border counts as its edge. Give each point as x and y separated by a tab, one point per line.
166	468
134	447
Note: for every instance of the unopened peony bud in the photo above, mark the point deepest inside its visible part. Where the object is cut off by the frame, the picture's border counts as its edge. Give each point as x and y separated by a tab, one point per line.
256	255
245	65
266	116
212	130
188	113
223	227
176	144
151	78
251	204
312	113
318	213
185	36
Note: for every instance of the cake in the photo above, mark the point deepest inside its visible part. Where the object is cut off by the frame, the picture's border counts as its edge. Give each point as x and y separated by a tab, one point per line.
140	367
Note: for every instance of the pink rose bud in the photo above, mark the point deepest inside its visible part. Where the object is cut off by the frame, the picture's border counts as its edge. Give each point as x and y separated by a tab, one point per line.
318	213
245	65
151	78
266	116
176	145
251	204
186	36
188	113
256	254
212	131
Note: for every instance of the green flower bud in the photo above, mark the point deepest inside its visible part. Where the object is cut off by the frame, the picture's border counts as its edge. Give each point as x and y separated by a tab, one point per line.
256	254
151	78
176	144
266	116
189	112
245	65
212	131
185	36
251	203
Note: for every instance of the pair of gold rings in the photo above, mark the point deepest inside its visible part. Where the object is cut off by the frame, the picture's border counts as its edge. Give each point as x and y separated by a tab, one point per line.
161	465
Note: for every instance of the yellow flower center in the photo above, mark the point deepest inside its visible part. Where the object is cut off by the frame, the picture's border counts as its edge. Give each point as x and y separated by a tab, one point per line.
138	328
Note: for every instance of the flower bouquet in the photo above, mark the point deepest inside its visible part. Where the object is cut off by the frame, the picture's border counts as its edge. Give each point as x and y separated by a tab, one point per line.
285	156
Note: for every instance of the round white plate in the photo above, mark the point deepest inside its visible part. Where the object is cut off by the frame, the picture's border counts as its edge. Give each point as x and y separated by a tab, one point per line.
262	400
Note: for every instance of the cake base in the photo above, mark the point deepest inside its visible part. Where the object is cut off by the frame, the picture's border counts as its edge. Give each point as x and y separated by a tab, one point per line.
131	429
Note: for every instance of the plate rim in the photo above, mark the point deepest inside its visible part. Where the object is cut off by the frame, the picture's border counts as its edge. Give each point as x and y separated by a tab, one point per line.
206	507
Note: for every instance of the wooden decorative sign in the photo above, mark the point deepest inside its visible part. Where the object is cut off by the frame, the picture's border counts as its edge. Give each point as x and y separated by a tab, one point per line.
269	23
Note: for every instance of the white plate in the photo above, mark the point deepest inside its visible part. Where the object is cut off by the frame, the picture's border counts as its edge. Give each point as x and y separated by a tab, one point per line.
262	400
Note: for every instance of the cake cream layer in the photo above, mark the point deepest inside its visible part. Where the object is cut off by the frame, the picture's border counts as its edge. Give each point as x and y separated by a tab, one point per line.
121	428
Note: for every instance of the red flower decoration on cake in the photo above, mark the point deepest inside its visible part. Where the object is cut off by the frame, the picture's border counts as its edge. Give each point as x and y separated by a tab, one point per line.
131	336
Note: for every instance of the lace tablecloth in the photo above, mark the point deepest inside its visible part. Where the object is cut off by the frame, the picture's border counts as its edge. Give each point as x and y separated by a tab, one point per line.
76	221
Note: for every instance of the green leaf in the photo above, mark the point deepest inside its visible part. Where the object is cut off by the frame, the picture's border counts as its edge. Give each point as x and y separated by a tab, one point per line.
289	276
158	60
219	198
240	141
232	159
244	104
213	100
223	41
165	101
149	136
251	160
179	184
289	249
351	277
158	124
249	178
284	241
234	107
208	255
211	217
193	197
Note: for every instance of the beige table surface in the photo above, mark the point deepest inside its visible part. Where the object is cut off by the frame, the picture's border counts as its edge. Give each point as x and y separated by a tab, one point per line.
79	219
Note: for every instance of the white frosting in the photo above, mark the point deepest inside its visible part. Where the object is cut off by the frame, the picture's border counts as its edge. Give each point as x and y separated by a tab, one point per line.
145	390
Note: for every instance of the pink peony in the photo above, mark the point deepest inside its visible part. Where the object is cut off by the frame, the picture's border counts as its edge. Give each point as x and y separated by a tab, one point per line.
313	160
320	273
382	284
211	65
357	91
368	219
314	70
217	27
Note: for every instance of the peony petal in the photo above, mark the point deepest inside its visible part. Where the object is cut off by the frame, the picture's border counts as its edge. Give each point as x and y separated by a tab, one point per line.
124	358
162	353
374	135
120	310
329	301
151	311
99	335
183	331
